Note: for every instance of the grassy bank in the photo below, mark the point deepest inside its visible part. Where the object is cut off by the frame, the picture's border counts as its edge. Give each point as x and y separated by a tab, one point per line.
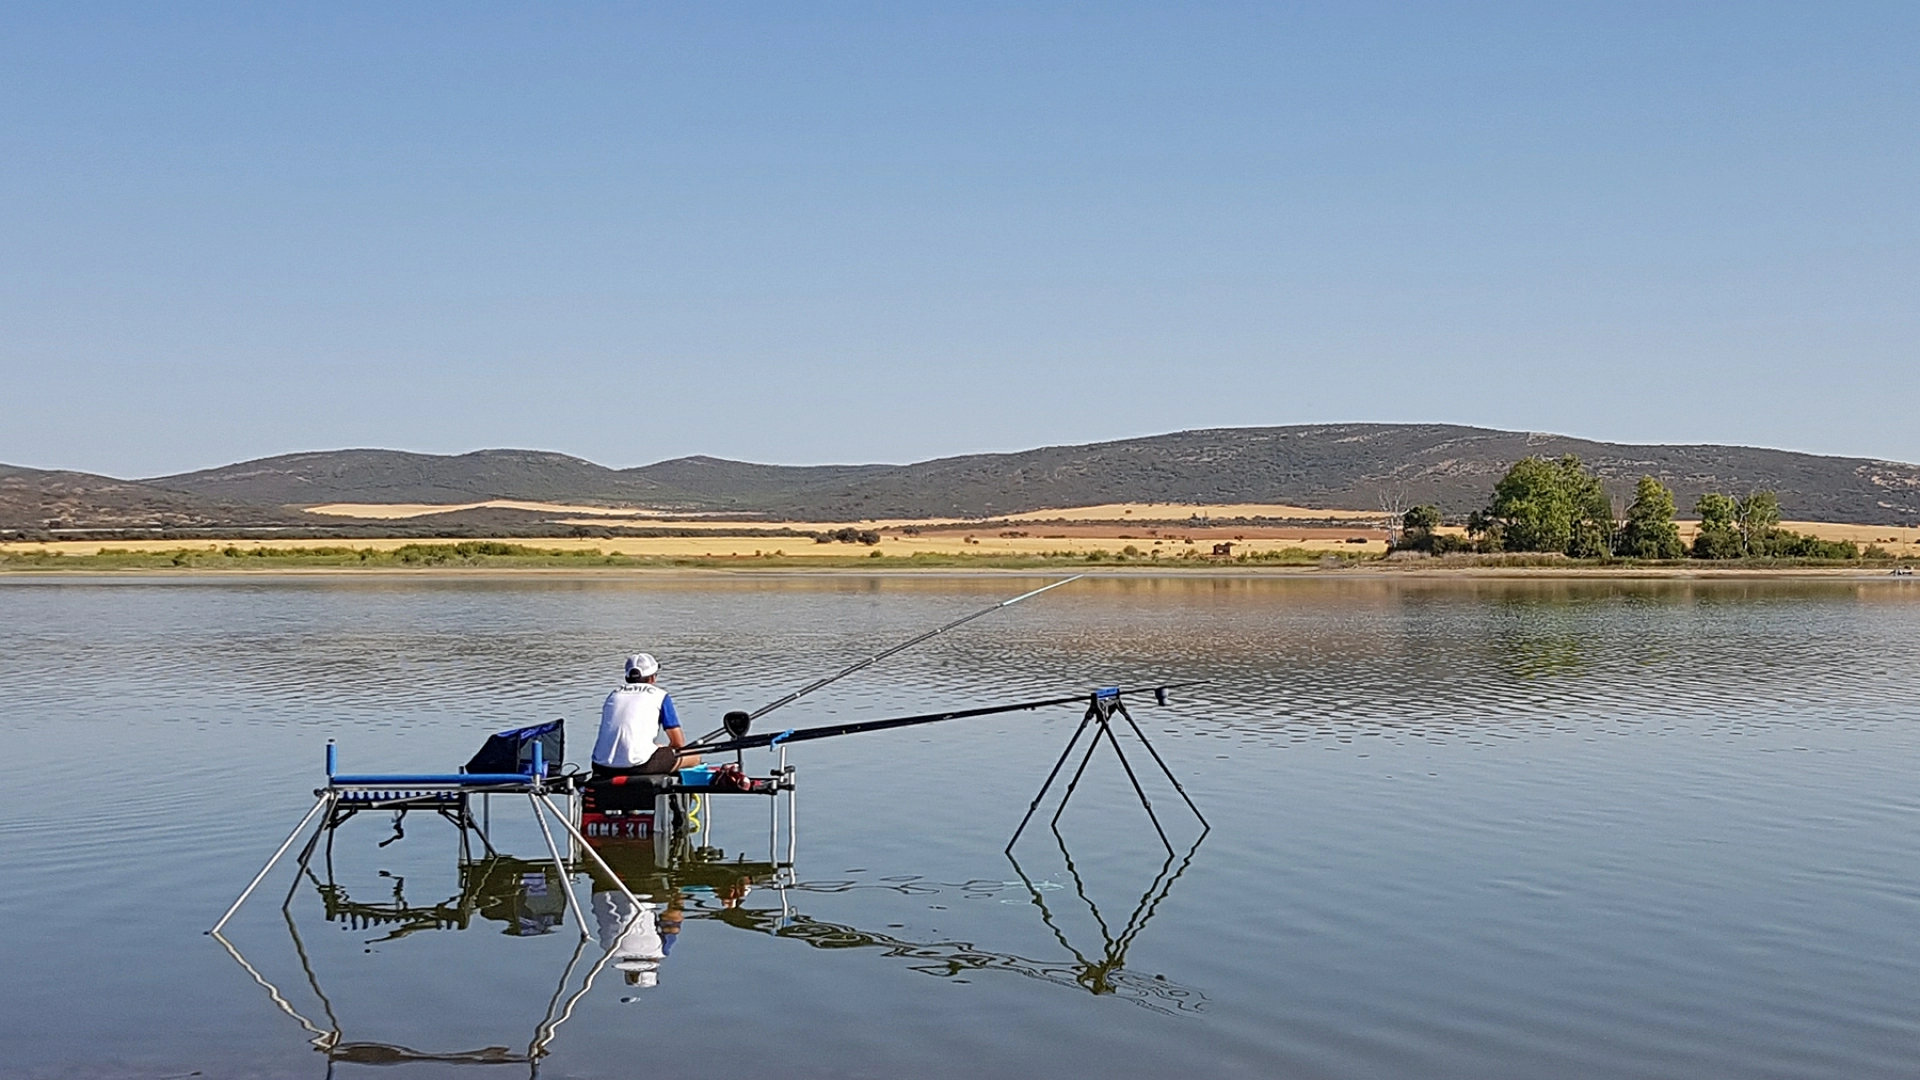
499	555
485	554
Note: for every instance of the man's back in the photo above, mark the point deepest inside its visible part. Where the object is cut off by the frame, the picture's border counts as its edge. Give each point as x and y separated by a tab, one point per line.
631	725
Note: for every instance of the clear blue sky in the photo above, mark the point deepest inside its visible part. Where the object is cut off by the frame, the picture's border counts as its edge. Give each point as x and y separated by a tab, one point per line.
883	232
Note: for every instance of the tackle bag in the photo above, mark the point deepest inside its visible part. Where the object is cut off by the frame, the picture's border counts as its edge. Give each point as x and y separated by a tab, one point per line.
512	751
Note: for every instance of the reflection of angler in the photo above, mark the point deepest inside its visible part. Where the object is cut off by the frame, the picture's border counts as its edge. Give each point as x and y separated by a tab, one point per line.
631	935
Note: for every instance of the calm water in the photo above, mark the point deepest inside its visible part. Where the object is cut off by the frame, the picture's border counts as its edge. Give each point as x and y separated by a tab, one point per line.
1460	829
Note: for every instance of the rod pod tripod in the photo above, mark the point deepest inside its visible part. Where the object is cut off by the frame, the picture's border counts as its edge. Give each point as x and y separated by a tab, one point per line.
1102	707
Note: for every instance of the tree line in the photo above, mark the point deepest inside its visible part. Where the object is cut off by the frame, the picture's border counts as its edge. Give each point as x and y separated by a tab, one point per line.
1558	505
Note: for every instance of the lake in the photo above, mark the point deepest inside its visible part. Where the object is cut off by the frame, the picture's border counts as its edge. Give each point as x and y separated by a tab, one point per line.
1460	828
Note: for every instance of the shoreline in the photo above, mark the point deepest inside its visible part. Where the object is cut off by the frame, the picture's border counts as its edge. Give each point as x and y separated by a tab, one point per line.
1372	572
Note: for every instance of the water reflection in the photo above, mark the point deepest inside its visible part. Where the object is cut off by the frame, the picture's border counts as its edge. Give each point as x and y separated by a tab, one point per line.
528	898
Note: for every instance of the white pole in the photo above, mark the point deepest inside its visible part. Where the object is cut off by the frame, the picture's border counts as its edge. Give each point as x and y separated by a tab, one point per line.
594	855
793	816
566	878
284	845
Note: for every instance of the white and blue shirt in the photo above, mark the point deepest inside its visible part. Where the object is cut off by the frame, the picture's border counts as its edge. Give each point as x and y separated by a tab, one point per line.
633	722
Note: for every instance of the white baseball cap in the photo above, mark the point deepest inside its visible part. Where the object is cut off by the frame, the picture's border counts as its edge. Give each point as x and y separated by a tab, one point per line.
643	665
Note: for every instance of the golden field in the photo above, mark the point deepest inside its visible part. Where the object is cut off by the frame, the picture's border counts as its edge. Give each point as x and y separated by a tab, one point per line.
1110	528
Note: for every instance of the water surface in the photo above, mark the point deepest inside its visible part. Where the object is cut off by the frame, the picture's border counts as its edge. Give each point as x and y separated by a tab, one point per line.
1460	829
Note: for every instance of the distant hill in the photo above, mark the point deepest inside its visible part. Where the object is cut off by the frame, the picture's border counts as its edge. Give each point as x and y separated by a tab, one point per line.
394	476
1350	466
722	484
1339	466
38	499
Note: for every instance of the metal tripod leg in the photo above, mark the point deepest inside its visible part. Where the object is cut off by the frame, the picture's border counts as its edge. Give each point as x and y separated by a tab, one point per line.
1093	743
1145	803
1064	754
1174	780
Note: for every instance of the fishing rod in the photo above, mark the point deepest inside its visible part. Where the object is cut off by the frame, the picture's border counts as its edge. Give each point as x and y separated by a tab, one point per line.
736	723
883	654
743	741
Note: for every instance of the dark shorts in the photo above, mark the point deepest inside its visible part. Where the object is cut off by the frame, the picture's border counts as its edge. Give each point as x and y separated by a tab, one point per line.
659	764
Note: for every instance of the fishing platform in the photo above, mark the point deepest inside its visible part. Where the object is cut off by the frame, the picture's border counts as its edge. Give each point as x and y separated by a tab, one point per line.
528	763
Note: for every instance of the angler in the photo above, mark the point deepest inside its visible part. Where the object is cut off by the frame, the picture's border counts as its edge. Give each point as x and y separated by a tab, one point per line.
639	729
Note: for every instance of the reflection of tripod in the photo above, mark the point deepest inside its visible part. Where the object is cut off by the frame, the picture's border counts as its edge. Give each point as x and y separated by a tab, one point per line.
1107	974
1101	709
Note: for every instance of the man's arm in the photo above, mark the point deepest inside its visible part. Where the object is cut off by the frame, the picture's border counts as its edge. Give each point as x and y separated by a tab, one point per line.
670	723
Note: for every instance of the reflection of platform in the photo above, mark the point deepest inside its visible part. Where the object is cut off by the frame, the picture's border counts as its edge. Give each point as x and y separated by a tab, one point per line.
331	1040
526	898
524	895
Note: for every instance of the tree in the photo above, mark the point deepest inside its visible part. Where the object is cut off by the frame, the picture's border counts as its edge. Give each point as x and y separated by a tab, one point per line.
1417	529
1715	511
1543	505
1758	516
1393	505
1486	531
1650	532
1733	528
1718	538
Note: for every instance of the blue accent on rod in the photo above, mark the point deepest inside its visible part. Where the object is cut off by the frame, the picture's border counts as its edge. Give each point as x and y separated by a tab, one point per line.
1111	691
782	737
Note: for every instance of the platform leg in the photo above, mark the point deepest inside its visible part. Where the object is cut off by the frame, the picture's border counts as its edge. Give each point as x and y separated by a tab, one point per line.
261	876
560	866
581	839
306	853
